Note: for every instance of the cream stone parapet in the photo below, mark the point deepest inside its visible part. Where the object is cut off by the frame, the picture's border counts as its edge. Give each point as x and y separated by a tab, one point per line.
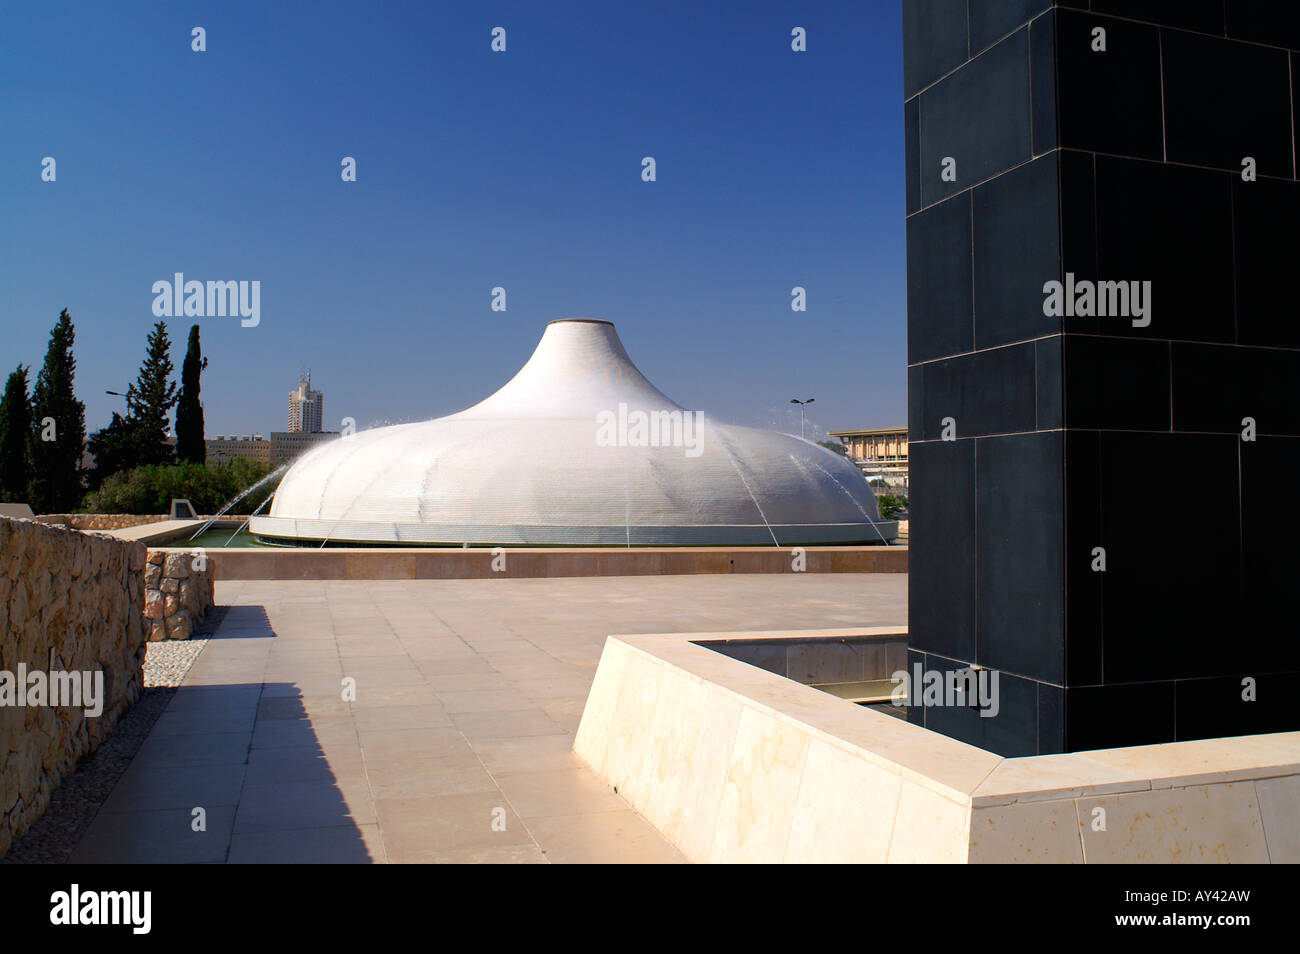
732	762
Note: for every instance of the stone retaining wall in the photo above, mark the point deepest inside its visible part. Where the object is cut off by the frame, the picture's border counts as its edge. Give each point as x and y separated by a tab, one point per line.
178	593
454	563
69	602
101	521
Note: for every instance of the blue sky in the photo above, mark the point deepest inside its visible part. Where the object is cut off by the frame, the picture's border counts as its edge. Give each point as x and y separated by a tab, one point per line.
474	169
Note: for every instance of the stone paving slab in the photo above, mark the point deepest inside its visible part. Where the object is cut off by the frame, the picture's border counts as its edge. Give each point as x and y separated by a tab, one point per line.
457	747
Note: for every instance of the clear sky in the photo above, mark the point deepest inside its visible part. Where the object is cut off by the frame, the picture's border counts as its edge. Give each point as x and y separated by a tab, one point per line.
475	169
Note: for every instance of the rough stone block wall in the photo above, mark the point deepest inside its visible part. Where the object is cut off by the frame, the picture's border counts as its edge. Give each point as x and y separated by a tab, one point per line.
178	593
69	602
101	521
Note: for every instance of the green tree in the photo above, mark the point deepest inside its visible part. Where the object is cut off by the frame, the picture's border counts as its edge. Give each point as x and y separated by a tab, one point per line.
15	438
58	426
835	446
189	412
151	398
114	448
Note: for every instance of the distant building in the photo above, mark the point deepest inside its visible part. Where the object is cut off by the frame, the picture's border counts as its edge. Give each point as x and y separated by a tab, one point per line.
306	408
224	448
286	445
877	450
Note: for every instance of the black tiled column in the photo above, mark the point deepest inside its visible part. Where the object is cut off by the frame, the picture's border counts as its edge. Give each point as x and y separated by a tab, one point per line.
1039	443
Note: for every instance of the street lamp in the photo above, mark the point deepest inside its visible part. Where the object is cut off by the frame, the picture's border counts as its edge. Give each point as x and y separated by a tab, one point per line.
802	405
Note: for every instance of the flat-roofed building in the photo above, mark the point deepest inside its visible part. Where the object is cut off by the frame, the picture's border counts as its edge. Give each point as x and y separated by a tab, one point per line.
877	450
224	448
286	445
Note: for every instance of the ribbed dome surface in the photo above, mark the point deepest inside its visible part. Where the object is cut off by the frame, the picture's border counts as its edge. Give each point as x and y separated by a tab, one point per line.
562	455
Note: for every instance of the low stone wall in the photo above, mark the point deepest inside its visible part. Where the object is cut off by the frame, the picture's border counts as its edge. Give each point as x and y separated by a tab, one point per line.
733	763
453	563
70	602
178	593
101	521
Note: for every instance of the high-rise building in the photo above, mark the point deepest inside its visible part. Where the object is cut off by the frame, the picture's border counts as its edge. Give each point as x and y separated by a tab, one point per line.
1069	164
306	408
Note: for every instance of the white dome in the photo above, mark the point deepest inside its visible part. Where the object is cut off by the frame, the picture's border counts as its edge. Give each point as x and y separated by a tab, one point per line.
577	448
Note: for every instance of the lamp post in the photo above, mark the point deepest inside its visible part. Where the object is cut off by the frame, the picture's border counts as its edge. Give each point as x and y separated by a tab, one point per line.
802	405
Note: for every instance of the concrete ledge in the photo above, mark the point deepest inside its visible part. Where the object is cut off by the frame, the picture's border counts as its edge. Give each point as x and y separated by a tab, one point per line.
159	532
732	762
406	563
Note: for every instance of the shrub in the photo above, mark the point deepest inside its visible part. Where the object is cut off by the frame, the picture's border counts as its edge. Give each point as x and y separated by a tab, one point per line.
890	506
150	489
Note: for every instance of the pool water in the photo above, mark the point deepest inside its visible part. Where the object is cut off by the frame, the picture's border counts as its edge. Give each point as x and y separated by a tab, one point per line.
217	538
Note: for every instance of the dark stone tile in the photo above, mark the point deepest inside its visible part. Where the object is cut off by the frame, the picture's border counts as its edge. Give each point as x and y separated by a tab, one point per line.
915	403
934	41
941	572
1170	225
1042	77
1203	15
1270	514
1078	214
1173	565
915	713
1115	383
1051	719
1216	386
911	150
991	20
1109	102
1214	708
1049	412
1016	238
1083	585
1265	214
987	392
940	319
1104	717
1019	555
1224	101
1276	22
978	116
1012	732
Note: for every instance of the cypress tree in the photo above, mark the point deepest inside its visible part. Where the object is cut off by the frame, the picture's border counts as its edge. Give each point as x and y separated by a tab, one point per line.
149	400
189	412
15	438
58	427
114	448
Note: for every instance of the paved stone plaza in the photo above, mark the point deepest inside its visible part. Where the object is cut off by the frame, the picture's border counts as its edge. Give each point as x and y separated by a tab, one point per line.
458	746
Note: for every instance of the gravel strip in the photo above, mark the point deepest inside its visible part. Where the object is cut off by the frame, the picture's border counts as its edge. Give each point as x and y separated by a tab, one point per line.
76	801
166	663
